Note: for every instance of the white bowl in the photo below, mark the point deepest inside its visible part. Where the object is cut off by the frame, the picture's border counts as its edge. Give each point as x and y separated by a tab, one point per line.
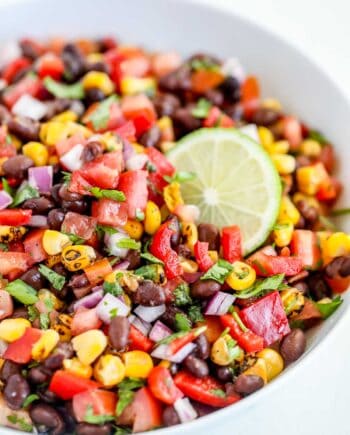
188	27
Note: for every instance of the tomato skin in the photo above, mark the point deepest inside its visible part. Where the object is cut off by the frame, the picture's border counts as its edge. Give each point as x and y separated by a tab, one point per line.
15	217
304	245
102	402
162	385
199	389
20	351
50	65
27	85
138	341
104	171
140	110
83	320
78	184
82	226
66	385
338	284
249	341
108	212
33	246
147	411
127	131
159	160
231	242
11	70
202	257
134	186
13	261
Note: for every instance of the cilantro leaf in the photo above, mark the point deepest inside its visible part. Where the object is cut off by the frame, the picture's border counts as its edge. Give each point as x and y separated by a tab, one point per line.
33	313
327	309
125	397
182	322
67	176
129	243
274	282
151	258
54	278
172	337
340	212
90	417
114	288
182	294
201	110
76	240
180	177
30	399
44	320
22	423
195	313
100	116
7	188
319	137
23	193
122	430
218	272
148	272
204	64
105	229
115	195
218	392
62	90
131	383
23	292
4	247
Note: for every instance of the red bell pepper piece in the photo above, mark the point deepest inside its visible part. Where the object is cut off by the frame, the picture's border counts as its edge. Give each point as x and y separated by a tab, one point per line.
162	385
11	70
329	190
247	340
231	242
20	351
267	318
15	216
134	186
138	341
66	385
304	245
202	257
180	342
203	390
267	265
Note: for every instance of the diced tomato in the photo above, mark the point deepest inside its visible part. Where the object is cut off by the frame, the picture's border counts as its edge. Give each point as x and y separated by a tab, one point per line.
33	246
7	150
66	385
78	184
162	385
292	131
102	402
50	65
231	242
135	66
338	284
98	270
165	63
203	259
65	145
134	186
147	411
217	118
109	212
28	85
267	265
84	320
127	131
10	261
104	171
250	94
78	224
15	217
14	67
20	351
160	162
138	341
304	245
327	157
329	191
113	58
140	110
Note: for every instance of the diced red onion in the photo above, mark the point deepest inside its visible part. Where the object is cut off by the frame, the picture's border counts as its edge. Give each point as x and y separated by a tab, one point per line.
191	277
38	221
150	314
219	304
233	67
250	130
41	177
5	199
29	106
301	275
123	265
185	410
89	301
97	288
140	324
159	331
111	303
163	352
3	347
111	241
128	150
72	159
135	162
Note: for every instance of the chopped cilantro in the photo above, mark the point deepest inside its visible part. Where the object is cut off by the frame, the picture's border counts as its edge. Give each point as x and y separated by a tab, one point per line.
44	320
76	240
319	137
201	110
148	272
151	258
30	399
204	64
67	176
54	278
129	243
182	294
125	397
92	418
33	313
195	313
180	177
218	272
113	312
100	116
328	308
260	287
7	188
218	392
115	195
23	193
21	422
182	322
62	90
114	288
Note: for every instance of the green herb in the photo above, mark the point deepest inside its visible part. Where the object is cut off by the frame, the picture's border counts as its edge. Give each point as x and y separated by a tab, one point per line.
30	399
340	212
131	384
129	243
33	313
327	309
7	188
4	247
274	282
316	135
54	278
182	294
125	397
202	108
100	116
139	215
113	312
218	392
104	229
114	288
148	272
62	90
182	322
23	193
280	226
67	176
204	64
115	195
327	223
195	313
22	424
23	292
150	167
218	272
171	338
122	430
180	177
151	258
8	139
90	417
44	320
76	240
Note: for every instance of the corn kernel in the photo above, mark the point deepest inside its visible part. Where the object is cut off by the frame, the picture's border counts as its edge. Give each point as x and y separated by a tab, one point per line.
63	331
45	345
224	351
53	160
2	161
310	148
164	122
189	266
77	368
134	229
165	363
166	127
109	370
46	296
288	212
52	260
94	57
89	345
153	218
241	277
16	142
54	242
285	164
266	137
310	178
282	234
190	232
67	115
138	364
13	329
164	212
278	147
99	80
336	245
293	300
167	146
53	132
110	141
272	103
78	257
258	369
11	234
214	256
172	196
37	152
139	149
136	85
274	362
74	127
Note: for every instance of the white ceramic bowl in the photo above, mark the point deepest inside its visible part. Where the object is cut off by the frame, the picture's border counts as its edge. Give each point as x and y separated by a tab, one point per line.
189	27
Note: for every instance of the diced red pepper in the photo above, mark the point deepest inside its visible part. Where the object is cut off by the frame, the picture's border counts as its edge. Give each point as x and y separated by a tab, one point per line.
20	351
15	217
292	131
50	65
14	67
338	284
98	270
140	110
304	245
66	385
33	246
202	257
162	385
102	403
231	242
267	265
329	191
266	317
134	186
139	341
160	162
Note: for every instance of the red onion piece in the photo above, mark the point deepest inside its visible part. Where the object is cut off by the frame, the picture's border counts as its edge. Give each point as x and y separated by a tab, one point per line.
108	305
185	410
150	314
40	177
72	159
159	331
191	277
163	352
219	304
111	242
89	301
140	324
123	265
29	106
38	221
5	199
128	150
97	288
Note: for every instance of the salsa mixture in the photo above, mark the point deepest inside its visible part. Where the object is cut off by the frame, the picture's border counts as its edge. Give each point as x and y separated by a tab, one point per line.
121	309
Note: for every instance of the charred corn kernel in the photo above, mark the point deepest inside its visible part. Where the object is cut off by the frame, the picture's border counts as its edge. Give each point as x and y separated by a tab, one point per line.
129	281
54	242
266	137
274	362
288	212
67	115
78	257
37	152
153	218
63	331
214	256
258	369
50	299
285	164
241	277
110	141
190	232
11	234
189	266
138	364
77	368
225	350
172	196
98	80
271	103
52	260
309	178
45	345
136	85
2	161
89	345
2	362
15	141
65	319
336	245
167	146
139	149
282	233
293	300
165	363
164	212
94	57
109	370
134	229
53	132
13	329
53	160
310	148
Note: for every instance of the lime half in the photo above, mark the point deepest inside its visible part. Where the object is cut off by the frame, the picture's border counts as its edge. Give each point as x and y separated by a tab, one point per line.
236	182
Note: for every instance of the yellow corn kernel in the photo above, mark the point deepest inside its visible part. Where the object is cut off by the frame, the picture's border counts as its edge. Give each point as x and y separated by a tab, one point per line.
10	234
172	196
74	127
336	245
164	212
54	242
52	260
78	257
214	256
2	161
2	361
67	115
45	345
53	132
310	148
167	146
139	149
285	164
189	266
110	141
224	351
136	85
271	103
258	369
153	218
274	362
309	178
138	364
266	137
165	363
279	147
288	212
165	122
322	237
94	57
282	233
109	370
190	232
53	160
77	368
37	152
89	345
15	141
134	229
293	300
13	329
241	277
99	80
46	296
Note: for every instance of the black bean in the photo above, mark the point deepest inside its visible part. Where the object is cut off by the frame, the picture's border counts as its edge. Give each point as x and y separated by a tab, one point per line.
293	345
54	107
166	104
169	316
94	95
54	361
74	62
20	312
38	205
230	389
91	150
66	411
9	368
79	206
332	268
225	374
170	417
231	89
175	225
344	270
301	286
204	288
55	218
265	116
67	195
65	349
247	384
184	251
215	96
149	294
318	287
15	391
176	81
185	121
46	416
33	278
302	160
98	66
203	347
47	396
79	280
5	115
309	213
198	367
25	128
234	111
151	137
202	409
301	223
174	368
209	233
55	192
118	332
134	259
77	107
38	375
17	166
93	429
